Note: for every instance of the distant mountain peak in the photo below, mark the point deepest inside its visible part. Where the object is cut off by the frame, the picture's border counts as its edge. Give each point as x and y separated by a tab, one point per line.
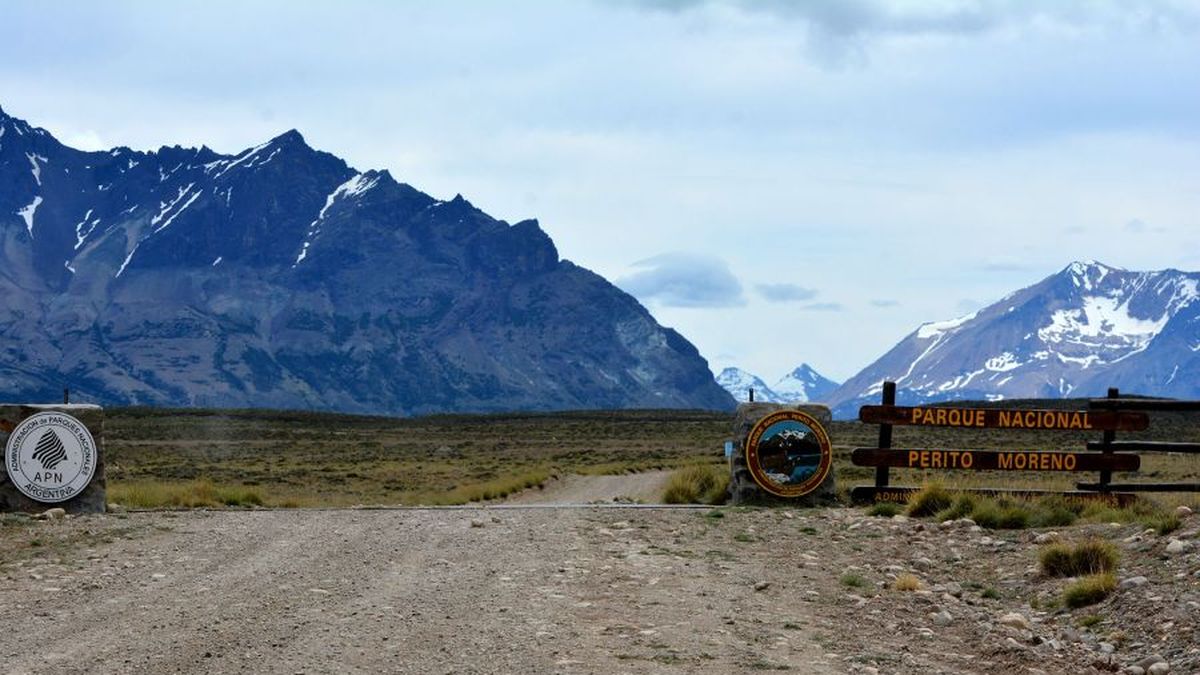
289	137
1075	333
803	384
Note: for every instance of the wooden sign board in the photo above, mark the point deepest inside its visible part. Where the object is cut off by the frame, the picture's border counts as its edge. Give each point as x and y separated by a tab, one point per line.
995	460
869	494
998	418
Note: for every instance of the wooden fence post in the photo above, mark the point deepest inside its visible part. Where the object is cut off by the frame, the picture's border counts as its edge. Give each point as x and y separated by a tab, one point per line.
885	434
1109	437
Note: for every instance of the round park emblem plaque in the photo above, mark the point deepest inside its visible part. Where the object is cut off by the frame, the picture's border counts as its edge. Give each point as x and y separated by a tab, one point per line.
50	457
788	453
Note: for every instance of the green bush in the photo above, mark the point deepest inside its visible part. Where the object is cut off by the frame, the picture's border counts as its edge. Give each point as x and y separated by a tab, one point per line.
1056	512
1163	523
884	509
1089	590
1001	515
1093	556
929	500
852	580
962	507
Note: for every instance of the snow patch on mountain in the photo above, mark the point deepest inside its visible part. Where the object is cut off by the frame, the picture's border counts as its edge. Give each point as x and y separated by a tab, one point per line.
1075	333
937	328
1100	321
28	212
357	185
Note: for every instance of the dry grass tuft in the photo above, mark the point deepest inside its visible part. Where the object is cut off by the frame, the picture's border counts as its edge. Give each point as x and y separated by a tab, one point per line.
907	582
697	484
931	499
1093	556
1089	590
191	494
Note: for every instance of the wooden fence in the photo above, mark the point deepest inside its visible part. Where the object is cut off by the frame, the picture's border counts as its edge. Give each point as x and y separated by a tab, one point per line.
1106	415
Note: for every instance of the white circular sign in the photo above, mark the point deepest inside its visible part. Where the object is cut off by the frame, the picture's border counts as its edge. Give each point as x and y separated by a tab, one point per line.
50	457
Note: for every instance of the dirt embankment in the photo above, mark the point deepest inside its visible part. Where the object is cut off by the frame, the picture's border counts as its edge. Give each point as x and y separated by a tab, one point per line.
570	590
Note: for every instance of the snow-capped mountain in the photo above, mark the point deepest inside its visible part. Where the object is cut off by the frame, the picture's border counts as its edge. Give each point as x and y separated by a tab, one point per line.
739	382
801	385
281	277
1076	333
804	384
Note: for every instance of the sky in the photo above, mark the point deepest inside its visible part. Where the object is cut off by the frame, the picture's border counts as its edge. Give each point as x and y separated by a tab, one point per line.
781	182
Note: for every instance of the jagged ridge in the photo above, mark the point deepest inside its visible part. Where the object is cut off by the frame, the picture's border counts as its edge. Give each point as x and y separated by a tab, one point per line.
282	277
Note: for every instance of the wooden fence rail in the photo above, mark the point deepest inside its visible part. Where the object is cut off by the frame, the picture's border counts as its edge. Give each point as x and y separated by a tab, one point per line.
1107	415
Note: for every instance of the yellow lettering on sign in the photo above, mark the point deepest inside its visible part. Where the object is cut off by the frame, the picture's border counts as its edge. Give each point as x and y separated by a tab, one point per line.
916	415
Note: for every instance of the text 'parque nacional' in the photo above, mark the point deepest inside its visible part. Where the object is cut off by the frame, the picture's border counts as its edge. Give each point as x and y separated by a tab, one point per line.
996	418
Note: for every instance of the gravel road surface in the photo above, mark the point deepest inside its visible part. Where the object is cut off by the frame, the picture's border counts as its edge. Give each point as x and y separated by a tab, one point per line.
533	589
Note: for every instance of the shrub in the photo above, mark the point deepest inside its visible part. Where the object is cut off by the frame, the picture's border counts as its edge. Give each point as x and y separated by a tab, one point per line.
884	509
1089	590
929	500
697	484
853	580
906	582
1055	560
1000	515
1056	512
1163	523
1093	556
961	508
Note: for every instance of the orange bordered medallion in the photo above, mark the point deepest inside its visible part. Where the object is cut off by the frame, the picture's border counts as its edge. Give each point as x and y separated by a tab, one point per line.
788	453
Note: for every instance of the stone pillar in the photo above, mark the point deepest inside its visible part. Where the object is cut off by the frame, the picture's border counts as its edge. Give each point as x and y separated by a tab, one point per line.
92	497
742	487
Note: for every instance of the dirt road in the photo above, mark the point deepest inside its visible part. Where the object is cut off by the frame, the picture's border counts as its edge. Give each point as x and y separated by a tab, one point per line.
540	590
390	591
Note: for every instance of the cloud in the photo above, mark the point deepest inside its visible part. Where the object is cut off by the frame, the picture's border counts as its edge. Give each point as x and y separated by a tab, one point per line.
846	18
885	303
837	32
823	307
684	280
785	292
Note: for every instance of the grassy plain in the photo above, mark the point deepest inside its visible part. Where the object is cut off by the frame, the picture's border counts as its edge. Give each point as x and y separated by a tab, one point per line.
159	457
242	458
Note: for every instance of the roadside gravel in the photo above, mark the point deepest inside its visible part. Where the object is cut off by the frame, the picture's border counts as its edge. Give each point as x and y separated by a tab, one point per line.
567	590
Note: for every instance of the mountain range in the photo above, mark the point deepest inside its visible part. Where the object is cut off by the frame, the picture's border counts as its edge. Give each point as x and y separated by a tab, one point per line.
1076	333
281	277
801	385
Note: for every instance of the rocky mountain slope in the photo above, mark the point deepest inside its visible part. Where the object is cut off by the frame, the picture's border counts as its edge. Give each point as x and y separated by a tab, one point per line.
281	277
801	385
1075	333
